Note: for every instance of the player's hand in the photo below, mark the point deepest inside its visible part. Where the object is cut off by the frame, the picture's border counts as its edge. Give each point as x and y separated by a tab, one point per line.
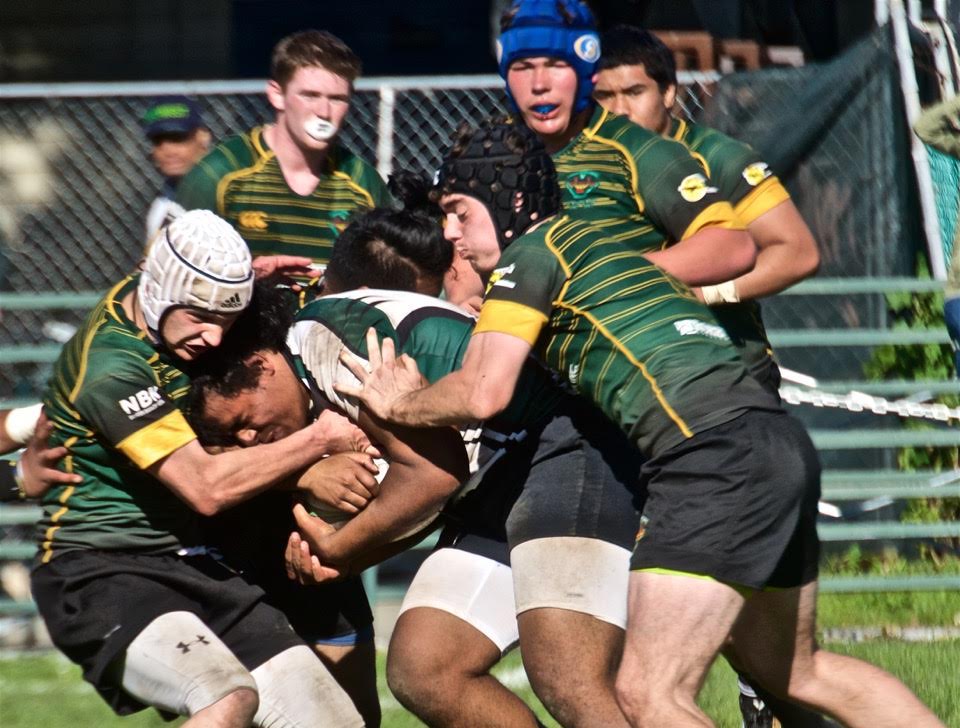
302	566
344	482
306	556
339	434
390	378
38	463
283	267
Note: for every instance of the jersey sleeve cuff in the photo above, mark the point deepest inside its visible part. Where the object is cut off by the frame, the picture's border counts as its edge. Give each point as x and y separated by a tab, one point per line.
761	200
506	317
157	440
719	214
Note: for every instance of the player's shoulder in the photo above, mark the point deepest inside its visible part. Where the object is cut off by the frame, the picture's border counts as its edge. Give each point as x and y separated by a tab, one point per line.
633	138
234	153
347	161
707	140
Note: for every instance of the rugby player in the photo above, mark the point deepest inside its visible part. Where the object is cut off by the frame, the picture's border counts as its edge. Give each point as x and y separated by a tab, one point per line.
122	578
643	188
560	502
290	188
727	540
637	78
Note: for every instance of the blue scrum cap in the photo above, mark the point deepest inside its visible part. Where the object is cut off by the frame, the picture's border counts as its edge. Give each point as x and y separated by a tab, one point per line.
556	29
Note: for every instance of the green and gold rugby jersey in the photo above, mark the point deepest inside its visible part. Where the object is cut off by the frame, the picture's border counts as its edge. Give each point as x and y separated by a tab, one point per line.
636	186
745	179
623	333
433	332
112	400
241	181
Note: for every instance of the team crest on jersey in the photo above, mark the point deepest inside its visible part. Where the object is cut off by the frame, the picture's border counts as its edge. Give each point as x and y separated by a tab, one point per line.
694	188
340	220
498	277
252	220
581	184
756	173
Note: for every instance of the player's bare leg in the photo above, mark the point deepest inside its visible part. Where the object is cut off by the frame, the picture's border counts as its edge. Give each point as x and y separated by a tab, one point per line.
571	660
234	710
775	637
675	626
438	667
354	667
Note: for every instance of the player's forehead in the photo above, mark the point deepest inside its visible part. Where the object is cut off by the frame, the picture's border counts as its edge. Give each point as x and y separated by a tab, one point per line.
533	61
318	78
450	202
624	76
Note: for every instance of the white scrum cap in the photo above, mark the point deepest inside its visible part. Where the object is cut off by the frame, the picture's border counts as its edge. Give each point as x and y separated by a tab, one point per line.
199	261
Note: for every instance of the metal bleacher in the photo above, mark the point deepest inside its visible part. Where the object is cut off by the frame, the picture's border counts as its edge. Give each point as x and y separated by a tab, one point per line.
840	486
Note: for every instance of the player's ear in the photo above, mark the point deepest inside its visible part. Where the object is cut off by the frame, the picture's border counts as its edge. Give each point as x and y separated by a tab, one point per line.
670	96
275	95
205	137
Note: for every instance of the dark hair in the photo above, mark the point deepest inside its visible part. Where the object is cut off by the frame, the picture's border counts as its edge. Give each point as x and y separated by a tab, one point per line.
394	249
628	45
310	48
227	370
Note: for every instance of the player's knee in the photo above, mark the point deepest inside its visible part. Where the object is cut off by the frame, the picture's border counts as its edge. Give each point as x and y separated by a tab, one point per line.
237	708
178	664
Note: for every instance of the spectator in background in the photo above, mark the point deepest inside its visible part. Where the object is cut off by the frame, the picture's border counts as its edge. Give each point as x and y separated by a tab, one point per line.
939	126
178	140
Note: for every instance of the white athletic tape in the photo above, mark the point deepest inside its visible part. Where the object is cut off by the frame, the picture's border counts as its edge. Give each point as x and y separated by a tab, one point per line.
22	423
571	572
720	293
297	691
179	665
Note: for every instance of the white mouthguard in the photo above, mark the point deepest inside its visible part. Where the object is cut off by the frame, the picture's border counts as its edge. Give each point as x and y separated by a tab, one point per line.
319	129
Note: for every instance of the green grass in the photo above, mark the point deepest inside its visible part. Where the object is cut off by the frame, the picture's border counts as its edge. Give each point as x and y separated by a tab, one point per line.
45	690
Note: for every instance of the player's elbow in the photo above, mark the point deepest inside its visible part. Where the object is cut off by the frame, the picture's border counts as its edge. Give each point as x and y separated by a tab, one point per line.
488	401
740	252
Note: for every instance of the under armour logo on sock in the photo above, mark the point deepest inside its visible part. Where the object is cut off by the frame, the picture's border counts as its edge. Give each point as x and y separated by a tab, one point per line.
185	646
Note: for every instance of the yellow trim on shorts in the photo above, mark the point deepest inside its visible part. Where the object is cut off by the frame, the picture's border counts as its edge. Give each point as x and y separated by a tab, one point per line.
744	591
157	440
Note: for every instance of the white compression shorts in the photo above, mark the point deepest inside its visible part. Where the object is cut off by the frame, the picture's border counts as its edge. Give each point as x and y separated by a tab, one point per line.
474	588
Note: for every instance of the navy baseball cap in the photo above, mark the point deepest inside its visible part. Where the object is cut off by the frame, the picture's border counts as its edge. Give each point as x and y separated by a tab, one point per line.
172	114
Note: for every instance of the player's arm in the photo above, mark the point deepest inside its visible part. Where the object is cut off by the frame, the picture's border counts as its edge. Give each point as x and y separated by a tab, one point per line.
426	465
712	242
17	427
210	483
711	255
787	253
394	390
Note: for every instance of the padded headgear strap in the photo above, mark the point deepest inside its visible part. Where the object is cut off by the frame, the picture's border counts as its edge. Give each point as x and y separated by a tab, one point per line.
556	29
199	261
495	162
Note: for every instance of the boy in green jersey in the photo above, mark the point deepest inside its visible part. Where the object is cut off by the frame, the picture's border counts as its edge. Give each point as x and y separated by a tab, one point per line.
122	577
637	78
643	189
727	541
290	188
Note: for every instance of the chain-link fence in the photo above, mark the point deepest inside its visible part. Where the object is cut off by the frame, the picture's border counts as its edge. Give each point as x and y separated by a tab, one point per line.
76	181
